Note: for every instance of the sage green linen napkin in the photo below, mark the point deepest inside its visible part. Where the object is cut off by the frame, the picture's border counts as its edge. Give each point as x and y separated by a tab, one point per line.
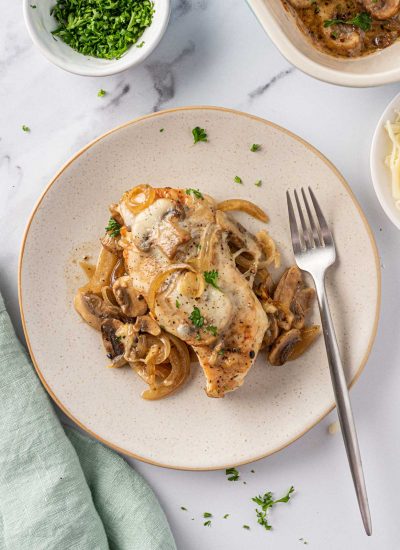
59	489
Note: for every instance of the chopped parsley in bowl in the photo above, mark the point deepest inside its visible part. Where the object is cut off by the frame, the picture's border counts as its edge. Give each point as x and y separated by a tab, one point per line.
96	37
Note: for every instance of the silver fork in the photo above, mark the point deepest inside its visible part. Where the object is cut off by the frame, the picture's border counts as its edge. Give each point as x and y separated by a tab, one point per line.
314	251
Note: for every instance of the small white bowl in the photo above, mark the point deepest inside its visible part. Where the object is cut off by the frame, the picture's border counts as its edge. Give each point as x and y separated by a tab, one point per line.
40	23
381	176
370	70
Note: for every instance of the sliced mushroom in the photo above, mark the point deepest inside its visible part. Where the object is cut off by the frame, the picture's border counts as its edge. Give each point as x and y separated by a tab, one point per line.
382	9
343	39
111	244
112	343
94	310
283	347
288	285
115	213
301	305
130	301
271	334
145	323
307	337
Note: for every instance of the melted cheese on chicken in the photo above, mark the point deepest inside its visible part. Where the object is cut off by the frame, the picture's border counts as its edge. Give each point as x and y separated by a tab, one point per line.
224	325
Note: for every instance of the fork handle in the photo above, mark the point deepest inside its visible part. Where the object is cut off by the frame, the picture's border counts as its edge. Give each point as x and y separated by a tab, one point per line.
343	404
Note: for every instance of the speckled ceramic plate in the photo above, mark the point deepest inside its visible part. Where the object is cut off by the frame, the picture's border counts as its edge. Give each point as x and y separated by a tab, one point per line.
188	430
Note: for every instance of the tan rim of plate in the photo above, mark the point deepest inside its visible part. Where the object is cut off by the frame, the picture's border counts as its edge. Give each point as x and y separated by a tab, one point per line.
273	125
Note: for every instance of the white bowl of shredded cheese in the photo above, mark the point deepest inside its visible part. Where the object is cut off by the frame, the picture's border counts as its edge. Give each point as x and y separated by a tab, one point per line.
385	161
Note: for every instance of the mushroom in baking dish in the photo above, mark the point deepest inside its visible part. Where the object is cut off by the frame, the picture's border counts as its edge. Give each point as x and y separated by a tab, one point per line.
129	300
382	9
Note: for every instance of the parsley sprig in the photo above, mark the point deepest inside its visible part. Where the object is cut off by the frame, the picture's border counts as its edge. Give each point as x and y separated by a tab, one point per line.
233	474
195	192
211	277
255	147
362	20
266	502
196	317
113	227
199	134
102	28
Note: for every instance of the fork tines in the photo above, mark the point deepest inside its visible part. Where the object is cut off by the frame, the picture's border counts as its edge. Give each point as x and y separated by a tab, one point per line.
311	234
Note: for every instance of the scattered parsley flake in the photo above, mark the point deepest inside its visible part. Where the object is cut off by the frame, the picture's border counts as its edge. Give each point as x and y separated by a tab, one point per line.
237	179
246	527
25	128
212	330
207	523
141	44
113	227
102	29
177	303
161	129
199	134
101	93
211	277
255	147
195	192
267	501
258	183
33	6
226	516
232	473
183	508
198	336
196	317
221	352
207	515
362	20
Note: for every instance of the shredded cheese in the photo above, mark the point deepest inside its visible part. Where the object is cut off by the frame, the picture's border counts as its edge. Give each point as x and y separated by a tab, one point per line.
393	159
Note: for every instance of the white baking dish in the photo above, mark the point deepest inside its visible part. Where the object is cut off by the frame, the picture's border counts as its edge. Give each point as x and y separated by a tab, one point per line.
372	70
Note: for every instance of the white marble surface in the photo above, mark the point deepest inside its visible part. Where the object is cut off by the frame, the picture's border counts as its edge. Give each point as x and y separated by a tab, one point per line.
214	52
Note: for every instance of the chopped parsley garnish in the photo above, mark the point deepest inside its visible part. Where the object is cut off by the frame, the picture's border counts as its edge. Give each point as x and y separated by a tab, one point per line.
196	317
226	516
221	352
33	6
207	523
255	147
183	508
25	128
141	44
199	134
102	28
266	502
207	515
237	179
101	93
212	330
198	336
246	527
258	183
177	303
362	20
211	277
232	473
113	227
195	192
161	129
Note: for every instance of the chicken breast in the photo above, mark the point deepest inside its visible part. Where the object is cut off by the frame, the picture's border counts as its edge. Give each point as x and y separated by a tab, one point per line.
179	252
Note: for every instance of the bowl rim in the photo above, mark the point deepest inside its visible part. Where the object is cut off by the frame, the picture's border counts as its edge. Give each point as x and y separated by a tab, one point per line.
373	159
313	68
106	70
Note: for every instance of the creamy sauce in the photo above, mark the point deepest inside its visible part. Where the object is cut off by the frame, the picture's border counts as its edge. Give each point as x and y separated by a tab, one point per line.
348	28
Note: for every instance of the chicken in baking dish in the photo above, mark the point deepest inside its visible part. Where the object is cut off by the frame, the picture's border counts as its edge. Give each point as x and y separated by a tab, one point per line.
178	275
